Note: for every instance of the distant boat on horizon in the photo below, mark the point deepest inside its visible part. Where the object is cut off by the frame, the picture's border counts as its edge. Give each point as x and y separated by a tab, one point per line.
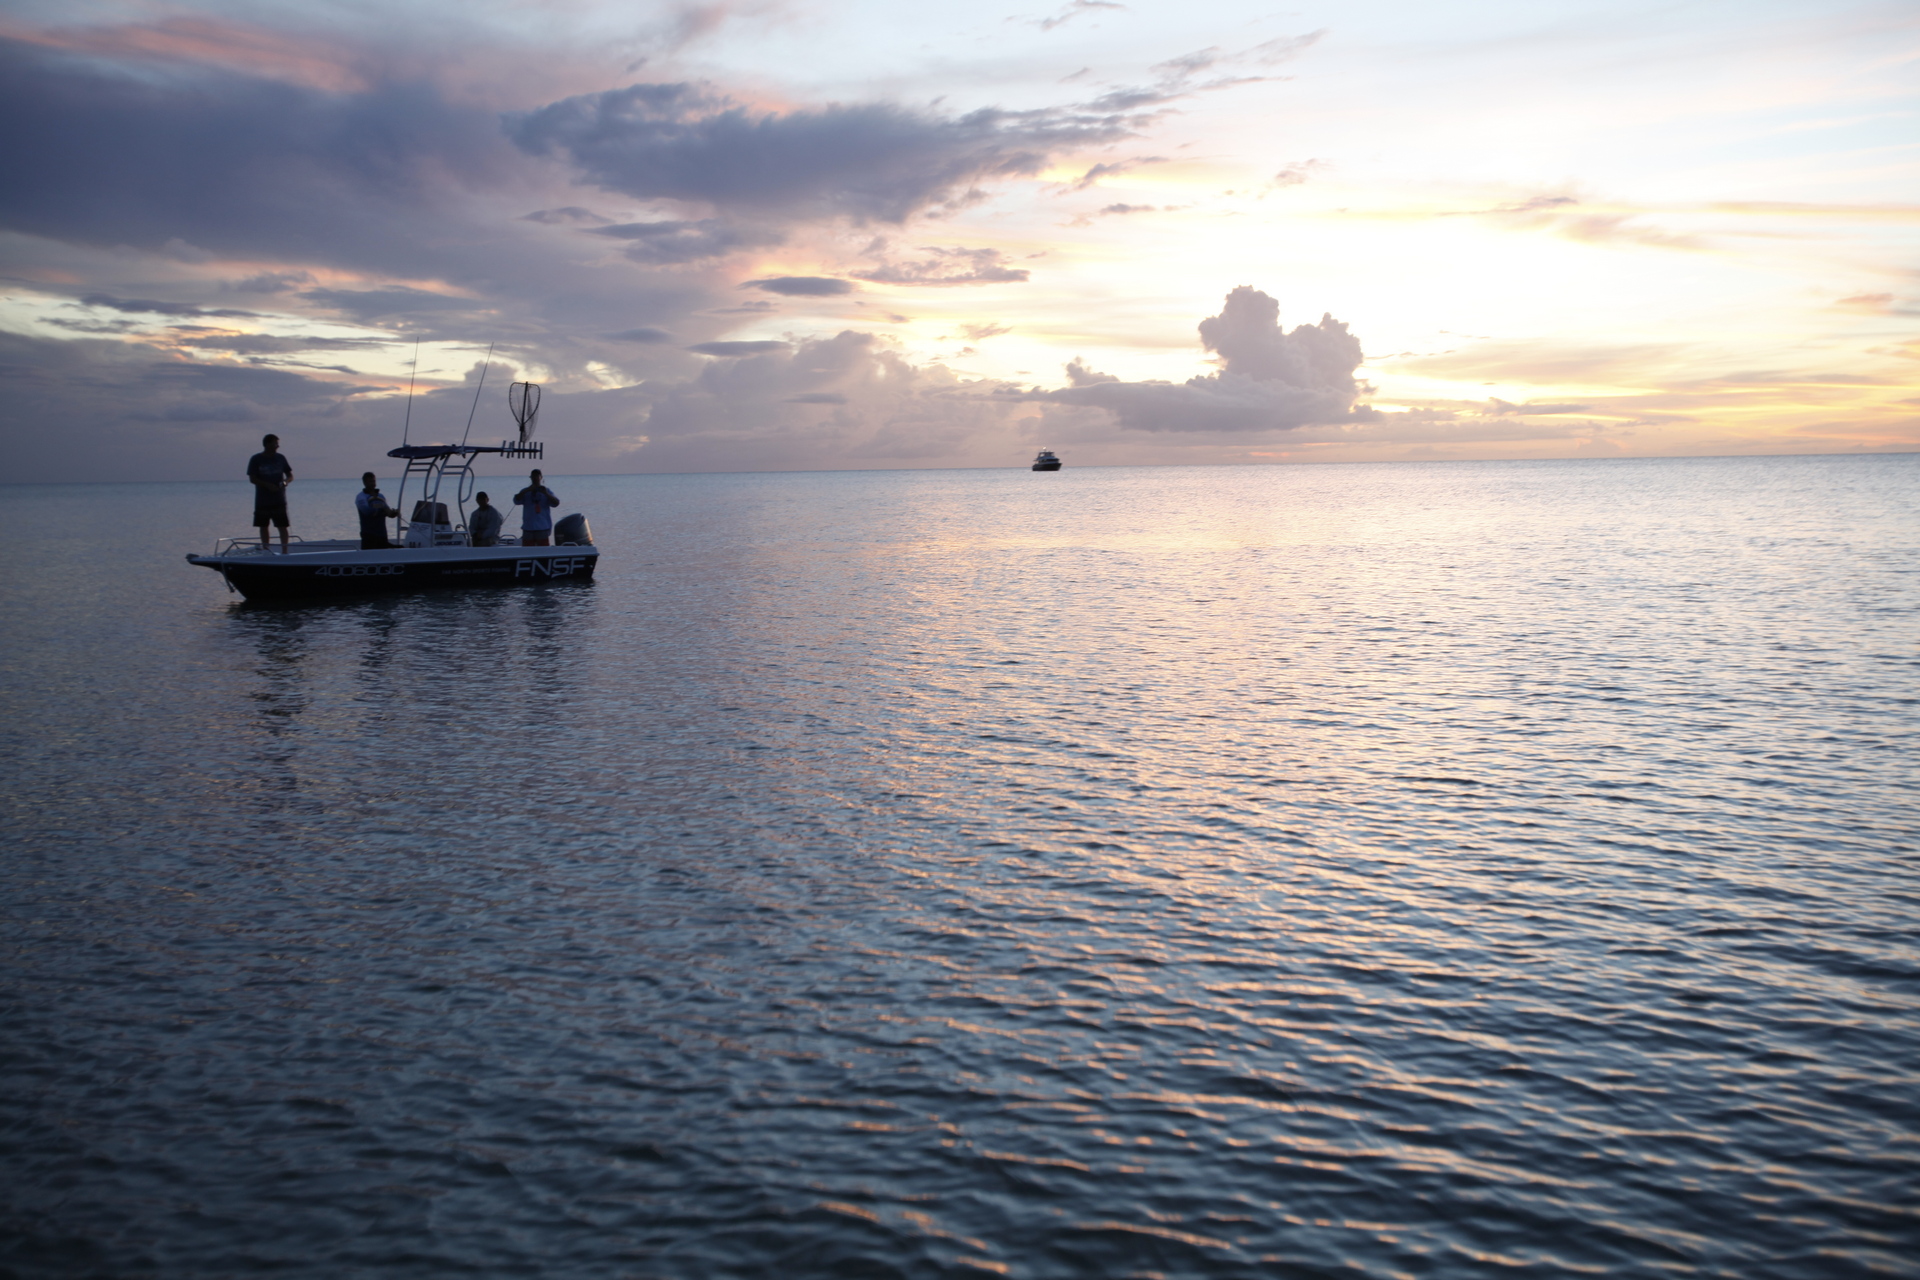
1046	460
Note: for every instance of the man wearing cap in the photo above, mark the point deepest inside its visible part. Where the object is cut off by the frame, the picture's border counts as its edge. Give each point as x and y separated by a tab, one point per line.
270	473
536	503
483	526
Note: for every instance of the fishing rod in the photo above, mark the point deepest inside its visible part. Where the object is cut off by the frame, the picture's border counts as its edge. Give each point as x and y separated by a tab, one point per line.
408	424
476	394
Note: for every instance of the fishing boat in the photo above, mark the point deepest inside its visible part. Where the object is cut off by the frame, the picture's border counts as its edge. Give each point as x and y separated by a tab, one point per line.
433	548
1046	460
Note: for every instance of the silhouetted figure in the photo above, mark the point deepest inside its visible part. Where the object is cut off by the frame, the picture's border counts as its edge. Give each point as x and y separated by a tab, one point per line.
536	503
374	514
483	526
270	473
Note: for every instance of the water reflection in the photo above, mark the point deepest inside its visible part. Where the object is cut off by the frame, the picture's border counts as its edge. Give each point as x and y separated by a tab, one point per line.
1384	872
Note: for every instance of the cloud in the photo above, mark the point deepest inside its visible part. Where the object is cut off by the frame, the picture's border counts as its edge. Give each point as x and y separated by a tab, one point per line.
865	162
1270	379
949	266
1113	210
1176	75
119	155
1563	216
371	189
1073	10
1285	48
667	243
1299	171
847	400
1531	410
367	305
738	348
802	286
571	214
150	306
1549	364
296	58
272	282
1079	375
1110	168
159	415
1188	64
1875	304
260	344
385	200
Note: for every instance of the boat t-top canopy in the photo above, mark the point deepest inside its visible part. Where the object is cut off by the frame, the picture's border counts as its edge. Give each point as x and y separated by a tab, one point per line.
531	449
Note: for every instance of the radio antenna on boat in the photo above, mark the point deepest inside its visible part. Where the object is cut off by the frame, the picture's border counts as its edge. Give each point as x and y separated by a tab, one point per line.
523	401
408	424
476	394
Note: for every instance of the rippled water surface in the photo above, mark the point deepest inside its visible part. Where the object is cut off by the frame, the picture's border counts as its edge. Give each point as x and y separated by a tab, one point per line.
1409	870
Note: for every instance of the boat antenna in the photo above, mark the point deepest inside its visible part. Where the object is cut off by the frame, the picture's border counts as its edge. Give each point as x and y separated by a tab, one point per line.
408	424
523	402
476	394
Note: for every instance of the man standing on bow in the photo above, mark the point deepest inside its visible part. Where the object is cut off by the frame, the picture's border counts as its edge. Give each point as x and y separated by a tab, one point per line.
536	503
270	473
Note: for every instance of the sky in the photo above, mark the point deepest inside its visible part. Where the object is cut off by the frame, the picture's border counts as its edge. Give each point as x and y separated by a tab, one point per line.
774	235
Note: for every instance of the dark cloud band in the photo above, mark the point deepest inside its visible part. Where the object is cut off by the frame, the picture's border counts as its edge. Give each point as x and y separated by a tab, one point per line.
867	162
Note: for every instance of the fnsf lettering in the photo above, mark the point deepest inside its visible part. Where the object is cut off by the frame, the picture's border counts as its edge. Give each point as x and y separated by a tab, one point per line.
556	567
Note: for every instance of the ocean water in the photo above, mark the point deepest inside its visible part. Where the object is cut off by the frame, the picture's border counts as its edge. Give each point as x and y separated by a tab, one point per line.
1446	870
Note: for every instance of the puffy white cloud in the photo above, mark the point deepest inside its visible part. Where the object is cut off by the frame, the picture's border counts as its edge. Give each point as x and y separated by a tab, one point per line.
1270	379
1079	375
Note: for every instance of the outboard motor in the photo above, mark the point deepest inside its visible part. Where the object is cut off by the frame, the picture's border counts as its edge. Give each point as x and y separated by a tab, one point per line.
572	531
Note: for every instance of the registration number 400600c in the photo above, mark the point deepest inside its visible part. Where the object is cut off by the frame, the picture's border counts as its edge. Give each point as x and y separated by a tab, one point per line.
359	570
556	567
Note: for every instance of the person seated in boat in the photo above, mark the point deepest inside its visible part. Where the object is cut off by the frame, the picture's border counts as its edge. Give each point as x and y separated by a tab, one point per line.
374	514
483	526
536	503
270	473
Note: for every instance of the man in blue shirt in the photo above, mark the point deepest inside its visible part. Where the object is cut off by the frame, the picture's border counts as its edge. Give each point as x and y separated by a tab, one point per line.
374	513
270	473
536	503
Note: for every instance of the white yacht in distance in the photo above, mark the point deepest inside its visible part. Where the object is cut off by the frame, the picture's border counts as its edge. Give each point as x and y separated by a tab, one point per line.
433	548
1046	460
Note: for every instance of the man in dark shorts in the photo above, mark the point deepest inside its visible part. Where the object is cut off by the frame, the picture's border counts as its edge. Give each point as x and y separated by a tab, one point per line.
536	503
371	504
270	473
